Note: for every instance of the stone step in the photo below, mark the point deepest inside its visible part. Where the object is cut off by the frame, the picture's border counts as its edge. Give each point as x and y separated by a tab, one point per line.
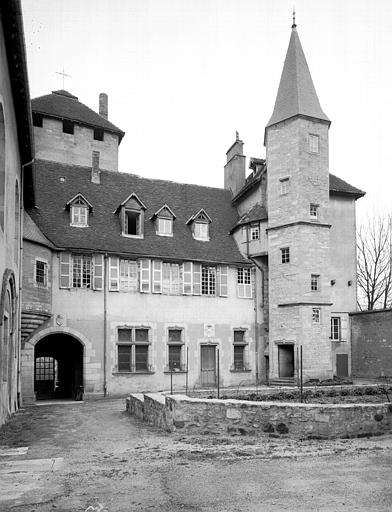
291	382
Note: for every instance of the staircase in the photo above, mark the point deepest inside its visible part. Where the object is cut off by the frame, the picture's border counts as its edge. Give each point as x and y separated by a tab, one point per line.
31	321
284	381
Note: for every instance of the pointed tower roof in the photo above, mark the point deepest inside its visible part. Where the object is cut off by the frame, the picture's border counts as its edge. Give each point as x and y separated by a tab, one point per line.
296	93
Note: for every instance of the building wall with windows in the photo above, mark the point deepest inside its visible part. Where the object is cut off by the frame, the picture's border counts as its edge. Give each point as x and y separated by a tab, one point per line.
15	150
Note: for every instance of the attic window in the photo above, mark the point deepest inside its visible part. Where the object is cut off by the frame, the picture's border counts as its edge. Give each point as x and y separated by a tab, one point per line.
98	134
37	120
164	218
79	209
132	216
68	126
165	226
200	226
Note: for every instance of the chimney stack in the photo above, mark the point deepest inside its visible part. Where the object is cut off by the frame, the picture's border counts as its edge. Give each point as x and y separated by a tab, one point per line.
95	172
103	105
235	167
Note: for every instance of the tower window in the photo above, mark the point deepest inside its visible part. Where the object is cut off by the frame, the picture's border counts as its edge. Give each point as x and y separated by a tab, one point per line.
316	315
284	185
314	282
68	126
313	211
285	254
254	233
41	273
98	134
314	143
336	328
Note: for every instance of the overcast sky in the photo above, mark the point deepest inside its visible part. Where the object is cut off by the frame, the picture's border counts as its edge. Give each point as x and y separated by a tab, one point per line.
183	75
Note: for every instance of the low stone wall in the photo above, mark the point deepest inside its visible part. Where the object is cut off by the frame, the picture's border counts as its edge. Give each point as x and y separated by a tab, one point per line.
318	421
135	405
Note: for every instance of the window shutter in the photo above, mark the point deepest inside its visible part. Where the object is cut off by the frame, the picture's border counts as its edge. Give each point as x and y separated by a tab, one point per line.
222	280
187	278
145	279
344	328
98	272
156	276
114	274
65	270
196	279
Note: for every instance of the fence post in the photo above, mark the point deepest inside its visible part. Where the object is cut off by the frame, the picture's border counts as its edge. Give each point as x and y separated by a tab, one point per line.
301	381
186	376
218	373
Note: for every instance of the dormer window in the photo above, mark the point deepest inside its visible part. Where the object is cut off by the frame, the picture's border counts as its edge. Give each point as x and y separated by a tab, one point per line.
79	209
132	217
163	219
200	225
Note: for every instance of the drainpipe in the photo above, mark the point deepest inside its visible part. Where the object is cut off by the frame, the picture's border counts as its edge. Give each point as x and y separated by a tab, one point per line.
255	309
19	313
105	290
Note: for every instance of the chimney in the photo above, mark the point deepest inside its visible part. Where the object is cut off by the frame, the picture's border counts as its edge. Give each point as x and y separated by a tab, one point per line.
95	172
103	105
235	167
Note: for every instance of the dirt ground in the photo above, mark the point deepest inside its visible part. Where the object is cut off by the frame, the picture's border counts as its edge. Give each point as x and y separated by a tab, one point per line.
93	457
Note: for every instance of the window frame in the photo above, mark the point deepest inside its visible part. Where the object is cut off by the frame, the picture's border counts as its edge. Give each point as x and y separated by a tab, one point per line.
177	344
244	283
140	222
284	255
314	143
99	134
240	346
284	185
254	229
78	220
316	315
314	211
339	328
132	345
208	281
315	282
68	127
201	231
86	274
164	221
44	283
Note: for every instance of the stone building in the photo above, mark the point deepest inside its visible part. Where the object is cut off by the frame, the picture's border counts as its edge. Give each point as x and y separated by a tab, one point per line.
16	187
126	278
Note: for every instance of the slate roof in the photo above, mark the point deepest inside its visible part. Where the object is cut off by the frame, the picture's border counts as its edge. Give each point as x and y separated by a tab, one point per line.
64	105
104	231
296	93
32	232
341	187
258	212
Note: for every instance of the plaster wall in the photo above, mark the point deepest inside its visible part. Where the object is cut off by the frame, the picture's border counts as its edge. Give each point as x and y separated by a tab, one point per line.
9	245
74	149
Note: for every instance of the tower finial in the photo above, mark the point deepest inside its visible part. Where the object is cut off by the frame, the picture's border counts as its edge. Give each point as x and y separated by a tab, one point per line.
294	24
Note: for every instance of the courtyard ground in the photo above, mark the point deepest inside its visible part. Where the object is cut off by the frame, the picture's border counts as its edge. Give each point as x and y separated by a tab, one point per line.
93	456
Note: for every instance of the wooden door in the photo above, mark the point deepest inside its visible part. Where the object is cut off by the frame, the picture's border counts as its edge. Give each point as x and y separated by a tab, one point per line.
342	365
208	365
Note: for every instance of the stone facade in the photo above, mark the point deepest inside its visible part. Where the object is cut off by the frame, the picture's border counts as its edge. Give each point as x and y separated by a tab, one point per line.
239	417
371	338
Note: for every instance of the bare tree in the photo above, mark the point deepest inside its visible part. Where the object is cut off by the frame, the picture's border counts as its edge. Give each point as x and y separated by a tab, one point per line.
374	248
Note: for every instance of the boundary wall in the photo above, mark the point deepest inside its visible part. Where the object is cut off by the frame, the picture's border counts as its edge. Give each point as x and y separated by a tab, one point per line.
242	417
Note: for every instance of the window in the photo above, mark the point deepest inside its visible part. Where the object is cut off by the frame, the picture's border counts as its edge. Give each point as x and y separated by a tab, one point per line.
41	273
244	283
314	282
239	347
171	279
313	211
37	120
316	314
175	349
284	185
133	349
254	233
201	231
79	215
98	134
208	280
132	222
81	271
68	127
336	330
165	226
128	276
313	143
285	254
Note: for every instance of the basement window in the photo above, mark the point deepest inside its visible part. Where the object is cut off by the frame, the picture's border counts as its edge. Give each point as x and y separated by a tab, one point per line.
68	126
98	134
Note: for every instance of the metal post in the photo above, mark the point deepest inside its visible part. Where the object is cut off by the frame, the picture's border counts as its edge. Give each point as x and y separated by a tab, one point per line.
186	380
171	378
297	366
301	380
218	372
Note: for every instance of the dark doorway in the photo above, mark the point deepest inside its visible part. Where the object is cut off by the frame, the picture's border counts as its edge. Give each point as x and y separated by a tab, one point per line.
208	365
58	367
342	365
286	360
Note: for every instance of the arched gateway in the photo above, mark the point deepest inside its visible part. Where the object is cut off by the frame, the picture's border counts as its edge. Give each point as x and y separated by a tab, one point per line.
58	366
